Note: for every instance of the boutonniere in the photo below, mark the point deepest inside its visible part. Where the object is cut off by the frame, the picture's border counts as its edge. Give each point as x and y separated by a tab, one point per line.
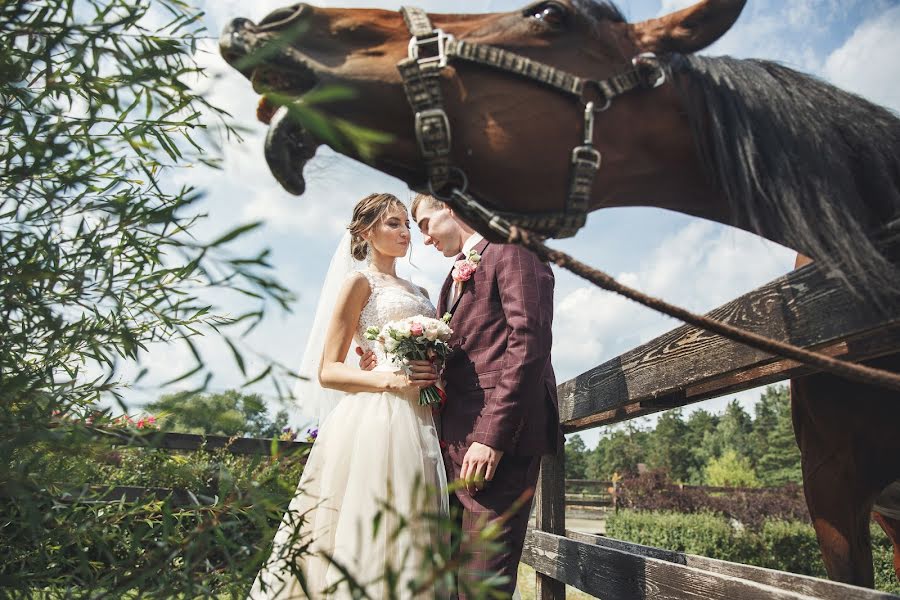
464	269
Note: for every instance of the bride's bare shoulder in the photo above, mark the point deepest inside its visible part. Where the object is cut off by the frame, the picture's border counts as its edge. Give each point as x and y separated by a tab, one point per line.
356	289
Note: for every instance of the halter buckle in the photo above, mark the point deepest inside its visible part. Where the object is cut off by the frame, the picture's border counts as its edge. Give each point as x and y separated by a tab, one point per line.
433	132
437	38
586	156
648	62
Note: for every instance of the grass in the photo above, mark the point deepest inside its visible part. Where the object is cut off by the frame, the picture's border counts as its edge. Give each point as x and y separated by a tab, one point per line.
527	583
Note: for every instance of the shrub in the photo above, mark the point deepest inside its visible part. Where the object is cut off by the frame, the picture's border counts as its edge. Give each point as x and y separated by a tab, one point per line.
778	544
789	546
653	491
706	534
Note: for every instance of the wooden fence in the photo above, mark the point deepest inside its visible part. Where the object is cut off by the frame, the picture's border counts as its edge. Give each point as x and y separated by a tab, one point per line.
681	367
175	442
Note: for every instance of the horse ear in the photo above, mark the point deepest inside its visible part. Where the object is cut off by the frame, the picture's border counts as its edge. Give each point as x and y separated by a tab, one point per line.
688	30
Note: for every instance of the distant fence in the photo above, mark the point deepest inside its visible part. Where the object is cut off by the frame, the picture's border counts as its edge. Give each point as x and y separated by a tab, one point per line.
161	440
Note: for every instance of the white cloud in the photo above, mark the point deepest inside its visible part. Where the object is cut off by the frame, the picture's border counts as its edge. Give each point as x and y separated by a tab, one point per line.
866	63
699	267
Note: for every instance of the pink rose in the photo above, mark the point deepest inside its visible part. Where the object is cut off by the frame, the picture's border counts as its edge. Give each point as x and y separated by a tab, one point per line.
416	329
463	270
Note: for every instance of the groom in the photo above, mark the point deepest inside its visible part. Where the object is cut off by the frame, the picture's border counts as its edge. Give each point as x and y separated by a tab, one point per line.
501	412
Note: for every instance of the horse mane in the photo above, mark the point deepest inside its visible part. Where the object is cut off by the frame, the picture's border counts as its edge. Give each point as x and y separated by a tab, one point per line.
800	162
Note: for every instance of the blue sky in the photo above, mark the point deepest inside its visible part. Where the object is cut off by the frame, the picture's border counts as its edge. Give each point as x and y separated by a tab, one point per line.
852	43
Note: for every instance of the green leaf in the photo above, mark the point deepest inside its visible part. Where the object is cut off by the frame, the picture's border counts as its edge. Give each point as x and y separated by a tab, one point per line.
235	233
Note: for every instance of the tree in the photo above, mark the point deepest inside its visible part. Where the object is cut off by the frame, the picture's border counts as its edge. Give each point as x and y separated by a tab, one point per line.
765	420
620	451
226	413
668	446
701	428
576	458
779	460
731	470
99	258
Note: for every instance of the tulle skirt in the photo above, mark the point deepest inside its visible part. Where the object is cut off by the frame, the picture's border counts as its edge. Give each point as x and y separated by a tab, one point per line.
377	457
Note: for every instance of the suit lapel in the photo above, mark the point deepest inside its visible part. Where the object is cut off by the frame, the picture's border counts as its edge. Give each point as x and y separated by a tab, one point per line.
442	298
479	247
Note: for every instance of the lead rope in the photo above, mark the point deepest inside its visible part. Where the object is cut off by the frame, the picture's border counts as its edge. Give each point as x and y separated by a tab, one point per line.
856	372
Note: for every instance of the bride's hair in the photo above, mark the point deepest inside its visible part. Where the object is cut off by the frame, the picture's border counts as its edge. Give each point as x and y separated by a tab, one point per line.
366	213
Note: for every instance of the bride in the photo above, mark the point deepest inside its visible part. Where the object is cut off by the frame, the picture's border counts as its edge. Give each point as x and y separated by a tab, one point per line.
376	446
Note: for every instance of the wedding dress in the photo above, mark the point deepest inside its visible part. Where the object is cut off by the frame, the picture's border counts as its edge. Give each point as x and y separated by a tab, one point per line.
372	448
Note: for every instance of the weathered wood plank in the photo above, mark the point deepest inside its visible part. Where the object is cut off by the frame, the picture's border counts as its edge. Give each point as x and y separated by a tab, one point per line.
550	515
579	503
189	441
687	364
127	493
612	573
104	494
802	584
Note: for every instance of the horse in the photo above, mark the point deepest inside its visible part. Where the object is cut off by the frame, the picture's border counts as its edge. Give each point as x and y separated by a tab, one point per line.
564	107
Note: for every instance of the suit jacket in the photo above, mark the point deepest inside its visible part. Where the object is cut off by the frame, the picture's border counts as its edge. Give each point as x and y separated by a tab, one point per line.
501	389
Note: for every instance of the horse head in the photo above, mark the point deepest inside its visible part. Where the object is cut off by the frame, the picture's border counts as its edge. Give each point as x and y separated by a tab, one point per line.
511	136
541	115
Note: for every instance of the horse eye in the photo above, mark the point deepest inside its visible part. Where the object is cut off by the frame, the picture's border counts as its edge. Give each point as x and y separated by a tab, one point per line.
550	13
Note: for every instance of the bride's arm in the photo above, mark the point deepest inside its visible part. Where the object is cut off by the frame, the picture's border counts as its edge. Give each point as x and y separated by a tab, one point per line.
333	373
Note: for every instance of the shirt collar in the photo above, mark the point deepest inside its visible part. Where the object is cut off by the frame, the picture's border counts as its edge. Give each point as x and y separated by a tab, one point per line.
470	243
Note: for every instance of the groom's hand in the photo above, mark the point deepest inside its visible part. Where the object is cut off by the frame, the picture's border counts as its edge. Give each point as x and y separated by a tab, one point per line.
479	465
422	370
367	360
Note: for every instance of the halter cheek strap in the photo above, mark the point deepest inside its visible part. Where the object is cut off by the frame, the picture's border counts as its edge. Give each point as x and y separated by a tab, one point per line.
430	50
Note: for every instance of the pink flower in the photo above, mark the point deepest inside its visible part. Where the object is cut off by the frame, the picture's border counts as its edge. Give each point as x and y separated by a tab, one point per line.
463	270
416	329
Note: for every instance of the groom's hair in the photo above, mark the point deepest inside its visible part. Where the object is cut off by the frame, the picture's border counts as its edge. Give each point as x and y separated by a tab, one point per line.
428	201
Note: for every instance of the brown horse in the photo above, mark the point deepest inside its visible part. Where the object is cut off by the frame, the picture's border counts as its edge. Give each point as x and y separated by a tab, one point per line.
746	143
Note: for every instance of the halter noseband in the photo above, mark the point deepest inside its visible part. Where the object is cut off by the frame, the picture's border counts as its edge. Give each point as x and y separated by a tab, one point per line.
421	81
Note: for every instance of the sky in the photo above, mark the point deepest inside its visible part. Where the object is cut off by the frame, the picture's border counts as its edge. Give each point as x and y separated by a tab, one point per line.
685	260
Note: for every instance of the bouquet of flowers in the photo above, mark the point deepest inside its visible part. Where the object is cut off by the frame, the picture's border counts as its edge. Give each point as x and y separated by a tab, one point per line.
415	338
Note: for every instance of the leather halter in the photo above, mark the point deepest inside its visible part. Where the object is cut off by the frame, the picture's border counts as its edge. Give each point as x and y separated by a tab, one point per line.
421	81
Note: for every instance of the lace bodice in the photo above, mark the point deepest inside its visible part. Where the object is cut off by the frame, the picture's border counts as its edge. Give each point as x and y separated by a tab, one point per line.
391	299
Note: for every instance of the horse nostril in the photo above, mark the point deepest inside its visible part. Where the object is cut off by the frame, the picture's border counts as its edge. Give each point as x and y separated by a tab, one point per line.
238	25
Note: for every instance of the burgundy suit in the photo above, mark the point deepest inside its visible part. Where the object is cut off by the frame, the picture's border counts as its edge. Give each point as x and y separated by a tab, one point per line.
501	390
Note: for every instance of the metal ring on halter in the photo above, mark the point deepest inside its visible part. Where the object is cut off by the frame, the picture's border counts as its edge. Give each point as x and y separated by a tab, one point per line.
465	185
649	60
604	100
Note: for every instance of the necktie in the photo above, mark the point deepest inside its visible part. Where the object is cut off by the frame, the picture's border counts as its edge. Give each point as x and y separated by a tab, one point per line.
457	285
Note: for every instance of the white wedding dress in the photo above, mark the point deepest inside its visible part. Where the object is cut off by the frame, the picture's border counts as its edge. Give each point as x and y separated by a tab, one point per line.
371	448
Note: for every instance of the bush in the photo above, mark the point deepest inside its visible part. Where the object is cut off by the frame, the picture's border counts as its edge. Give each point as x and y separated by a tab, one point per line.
705	534
653	491
783	545
789	546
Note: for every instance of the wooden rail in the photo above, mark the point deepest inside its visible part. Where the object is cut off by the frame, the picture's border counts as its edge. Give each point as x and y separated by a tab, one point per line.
614	570
163	440
684	366
688	364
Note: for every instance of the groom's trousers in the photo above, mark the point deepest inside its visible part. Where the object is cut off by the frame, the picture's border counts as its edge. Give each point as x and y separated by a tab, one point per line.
508	497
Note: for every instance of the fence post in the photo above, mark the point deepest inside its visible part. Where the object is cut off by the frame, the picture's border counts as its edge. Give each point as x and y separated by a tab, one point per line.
550	509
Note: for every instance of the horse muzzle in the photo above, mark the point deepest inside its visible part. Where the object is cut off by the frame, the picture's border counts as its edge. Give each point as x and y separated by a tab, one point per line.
276	70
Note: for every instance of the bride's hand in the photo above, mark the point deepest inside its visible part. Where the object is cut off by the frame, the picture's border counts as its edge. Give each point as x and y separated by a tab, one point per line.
421	375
